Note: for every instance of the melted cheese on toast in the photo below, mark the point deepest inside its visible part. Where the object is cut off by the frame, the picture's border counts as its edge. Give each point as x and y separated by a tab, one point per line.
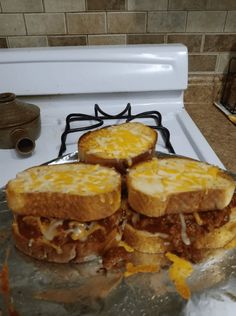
120	141
175	175
82	179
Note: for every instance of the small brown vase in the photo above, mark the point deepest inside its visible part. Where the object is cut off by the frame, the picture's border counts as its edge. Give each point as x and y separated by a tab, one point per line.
19	124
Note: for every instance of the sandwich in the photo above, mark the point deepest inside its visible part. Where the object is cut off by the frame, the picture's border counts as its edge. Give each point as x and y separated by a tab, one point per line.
65	213
118	146
181	206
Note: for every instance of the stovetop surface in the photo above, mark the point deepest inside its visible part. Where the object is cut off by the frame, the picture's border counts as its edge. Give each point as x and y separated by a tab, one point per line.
185	137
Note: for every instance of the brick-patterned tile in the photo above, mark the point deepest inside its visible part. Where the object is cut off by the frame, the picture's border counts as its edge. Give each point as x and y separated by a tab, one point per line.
114	5
64	5
27	41
67	40
203	21
200	89
172	21
223	63
193	42
128	22
22	6
220	43
46	23
230	25
12	24
147	5
145	39
3	42
106	39
221	5
187	4
202	62
86	23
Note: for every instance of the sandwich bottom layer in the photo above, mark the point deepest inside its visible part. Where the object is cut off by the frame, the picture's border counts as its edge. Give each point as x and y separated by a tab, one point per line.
62	241
188	235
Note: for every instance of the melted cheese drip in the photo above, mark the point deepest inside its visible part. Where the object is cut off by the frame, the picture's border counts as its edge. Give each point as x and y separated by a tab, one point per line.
49	231
142	268
121	141
83	179
81	231
164	176
184	235
126	246
198	218
77	231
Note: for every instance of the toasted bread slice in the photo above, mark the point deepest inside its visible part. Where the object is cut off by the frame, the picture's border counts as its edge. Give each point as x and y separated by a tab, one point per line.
118	146
176	185
80	191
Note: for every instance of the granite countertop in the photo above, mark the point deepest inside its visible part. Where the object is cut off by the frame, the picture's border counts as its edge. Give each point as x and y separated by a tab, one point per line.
218	130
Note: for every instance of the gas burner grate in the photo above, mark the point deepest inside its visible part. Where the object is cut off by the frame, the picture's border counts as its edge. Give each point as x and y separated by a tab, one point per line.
100	116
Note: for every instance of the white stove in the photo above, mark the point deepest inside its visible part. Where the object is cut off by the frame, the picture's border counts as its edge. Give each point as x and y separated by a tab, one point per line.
72	80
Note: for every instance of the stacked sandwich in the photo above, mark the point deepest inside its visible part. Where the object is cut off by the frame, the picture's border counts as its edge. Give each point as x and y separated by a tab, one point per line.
73	212
181	206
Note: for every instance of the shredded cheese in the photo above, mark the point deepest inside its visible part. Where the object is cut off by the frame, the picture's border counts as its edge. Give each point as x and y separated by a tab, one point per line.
126	246
49	231
178	272
184	235
157	177
82	179
81	232
198	218
120	141
144	268
76	230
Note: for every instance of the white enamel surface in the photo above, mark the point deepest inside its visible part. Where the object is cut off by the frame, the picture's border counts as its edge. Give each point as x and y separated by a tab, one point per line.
185	136
65	70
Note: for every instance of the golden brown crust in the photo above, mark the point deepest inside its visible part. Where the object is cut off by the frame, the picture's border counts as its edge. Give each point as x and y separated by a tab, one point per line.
184	202
64	205
180	202
219	237
121	164
77	252
144	241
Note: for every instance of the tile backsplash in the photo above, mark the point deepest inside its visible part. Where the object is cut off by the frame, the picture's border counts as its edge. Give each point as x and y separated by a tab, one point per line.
206	27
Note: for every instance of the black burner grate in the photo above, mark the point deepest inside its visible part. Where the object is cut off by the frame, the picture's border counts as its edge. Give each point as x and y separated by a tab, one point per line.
100	116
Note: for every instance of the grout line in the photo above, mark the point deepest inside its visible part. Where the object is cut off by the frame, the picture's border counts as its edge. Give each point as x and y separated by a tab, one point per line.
217	62
85	6
43	6
66	22
106	23
146	22
226	17
1	7
126	5
202	43
186	22
168	5
25	24
7	40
